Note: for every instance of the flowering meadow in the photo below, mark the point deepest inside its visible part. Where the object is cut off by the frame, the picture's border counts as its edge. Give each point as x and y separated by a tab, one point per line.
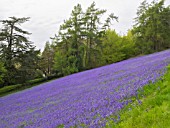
87	98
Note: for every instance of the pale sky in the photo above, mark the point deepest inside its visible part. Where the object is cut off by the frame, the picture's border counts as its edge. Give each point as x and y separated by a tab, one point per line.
48	15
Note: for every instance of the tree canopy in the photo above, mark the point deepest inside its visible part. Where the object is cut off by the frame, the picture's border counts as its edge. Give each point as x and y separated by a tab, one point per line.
15	50
152	27
79	39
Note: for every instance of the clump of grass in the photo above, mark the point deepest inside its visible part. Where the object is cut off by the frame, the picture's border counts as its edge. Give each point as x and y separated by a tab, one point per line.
154	112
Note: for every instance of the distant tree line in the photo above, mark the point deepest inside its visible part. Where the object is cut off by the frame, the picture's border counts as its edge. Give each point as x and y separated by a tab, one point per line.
84	41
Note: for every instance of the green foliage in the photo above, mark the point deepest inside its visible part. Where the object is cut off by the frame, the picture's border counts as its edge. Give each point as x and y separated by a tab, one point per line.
59	62
28	84
2	72
128	45
17	52
27	65
68	57
152	27
78	43
85	42
116	48
92	19
7	89
111	47
154	110
37	81
47	59
65	65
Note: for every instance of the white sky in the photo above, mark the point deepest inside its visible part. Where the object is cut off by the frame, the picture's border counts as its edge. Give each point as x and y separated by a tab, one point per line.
48	15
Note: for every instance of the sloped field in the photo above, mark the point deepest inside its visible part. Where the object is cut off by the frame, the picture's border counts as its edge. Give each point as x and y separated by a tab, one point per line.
84	98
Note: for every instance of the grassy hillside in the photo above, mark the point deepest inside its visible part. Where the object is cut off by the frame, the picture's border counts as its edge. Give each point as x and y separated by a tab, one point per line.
152	112
92	99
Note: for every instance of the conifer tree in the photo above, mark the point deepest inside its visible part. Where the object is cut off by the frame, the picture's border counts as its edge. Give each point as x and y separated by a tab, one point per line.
14	43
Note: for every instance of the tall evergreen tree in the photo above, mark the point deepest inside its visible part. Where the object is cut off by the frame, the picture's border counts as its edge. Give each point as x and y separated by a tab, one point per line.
47	59
93	26
70	38
79	40
14	43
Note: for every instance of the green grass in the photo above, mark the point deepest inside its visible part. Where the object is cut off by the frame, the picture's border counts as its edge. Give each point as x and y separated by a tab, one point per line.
9	88
19	87
154	112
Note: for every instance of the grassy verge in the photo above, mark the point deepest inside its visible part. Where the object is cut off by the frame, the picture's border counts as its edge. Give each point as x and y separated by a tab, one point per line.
8	89
19	87
154	112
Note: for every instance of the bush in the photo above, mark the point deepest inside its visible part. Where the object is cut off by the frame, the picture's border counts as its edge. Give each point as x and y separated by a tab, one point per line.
14	88
37	81
9	88
2	73
52	77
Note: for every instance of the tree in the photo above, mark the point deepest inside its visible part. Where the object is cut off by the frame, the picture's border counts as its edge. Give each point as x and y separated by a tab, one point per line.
95	30
111	48
47	59
128	47
93	25
27	65
69	43
71	31
14	44
2	73
152	27
117	48
79	40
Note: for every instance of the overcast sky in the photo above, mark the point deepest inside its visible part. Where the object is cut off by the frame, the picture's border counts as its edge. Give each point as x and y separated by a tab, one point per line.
47	15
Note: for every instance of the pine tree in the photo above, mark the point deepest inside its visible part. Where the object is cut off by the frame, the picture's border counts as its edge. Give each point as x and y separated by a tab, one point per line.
70	41
79	40
47	59
14	43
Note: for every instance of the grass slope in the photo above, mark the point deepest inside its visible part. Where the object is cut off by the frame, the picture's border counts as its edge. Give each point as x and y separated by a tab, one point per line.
154	112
